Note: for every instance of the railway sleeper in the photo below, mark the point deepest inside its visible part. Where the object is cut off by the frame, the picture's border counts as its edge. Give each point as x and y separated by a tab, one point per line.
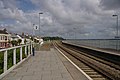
99	78
96	76
91	73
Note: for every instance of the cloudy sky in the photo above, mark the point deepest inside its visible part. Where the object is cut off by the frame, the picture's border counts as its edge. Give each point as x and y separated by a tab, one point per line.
66	18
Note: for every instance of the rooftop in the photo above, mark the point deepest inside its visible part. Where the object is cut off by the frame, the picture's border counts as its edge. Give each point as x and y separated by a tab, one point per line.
4	31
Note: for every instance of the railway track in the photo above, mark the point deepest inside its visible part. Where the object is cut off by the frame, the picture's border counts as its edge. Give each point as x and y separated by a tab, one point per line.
96	68
116	66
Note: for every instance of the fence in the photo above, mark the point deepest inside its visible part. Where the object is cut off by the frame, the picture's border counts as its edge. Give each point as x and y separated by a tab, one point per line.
12	57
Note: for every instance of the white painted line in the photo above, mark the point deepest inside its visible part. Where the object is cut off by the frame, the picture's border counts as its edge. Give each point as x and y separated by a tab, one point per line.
75	65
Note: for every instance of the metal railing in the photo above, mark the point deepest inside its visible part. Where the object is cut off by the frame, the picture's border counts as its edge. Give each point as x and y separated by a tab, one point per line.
10	57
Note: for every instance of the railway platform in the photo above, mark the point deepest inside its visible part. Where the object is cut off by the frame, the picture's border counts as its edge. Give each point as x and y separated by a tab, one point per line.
47	64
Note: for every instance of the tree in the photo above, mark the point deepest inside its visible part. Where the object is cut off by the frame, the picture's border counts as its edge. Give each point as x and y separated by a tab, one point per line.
19	41
32	38
25	41
9	41
35	40
14	43
52	38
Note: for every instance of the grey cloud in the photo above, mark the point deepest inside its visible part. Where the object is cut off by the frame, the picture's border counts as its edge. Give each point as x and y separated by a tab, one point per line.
91	18
64	14
79	13
8	12
110	4
12	4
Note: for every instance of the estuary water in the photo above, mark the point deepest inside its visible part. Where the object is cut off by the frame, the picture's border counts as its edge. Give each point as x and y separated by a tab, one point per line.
98	43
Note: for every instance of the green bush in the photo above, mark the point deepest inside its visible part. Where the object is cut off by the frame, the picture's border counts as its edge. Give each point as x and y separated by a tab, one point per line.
17	55
23	51
10	58
1	62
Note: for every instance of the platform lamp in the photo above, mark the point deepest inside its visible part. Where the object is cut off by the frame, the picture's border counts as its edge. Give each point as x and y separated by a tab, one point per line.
39	22
117	31
33	49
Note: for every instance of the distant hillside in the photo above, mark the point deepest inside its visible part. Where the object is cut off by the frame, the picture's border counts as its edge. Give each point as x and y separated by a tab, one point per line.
52	38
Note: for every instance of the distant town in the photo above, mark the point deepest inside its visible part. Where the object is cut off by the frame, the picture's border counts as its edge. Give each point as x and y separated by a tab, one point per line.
13	39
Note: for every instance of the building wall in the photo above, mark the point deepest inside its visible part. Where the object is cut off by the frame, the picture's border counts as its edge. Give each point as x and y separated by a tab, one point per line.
4	38
21	39
14	39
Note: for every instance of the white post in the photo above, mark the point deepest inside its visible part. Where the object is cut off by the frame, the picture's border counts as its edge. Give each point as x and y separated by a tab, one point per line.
14	57
20	53
26	50
29	50
5	61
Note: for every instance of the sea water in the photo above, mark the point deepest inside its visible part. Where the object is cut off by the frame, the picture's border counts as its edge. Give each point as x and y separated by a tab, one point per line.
99	43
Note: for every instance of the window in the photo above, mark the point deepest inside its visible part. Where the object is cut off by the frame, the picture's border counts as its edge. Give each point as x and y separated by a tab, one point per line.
1	37
5	37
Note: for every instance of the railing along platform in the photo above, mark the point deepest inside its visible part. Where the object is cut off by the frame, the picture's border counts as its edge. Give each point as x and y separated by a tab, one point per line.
10	58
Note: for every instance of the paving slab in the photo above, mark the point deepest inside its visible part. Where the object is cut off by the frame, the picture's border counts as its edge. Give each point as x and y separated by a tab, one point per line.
45	65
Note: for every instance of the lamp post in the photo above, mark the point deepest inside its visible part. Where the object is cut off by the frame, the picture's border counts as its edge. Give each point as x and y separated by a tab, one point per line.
74	32
117	31
39	23
33	50
33	29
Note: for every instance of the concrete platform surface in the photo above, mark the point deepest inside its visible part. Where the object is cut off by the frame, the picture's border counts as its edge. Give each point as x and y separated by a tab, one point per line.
45	65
